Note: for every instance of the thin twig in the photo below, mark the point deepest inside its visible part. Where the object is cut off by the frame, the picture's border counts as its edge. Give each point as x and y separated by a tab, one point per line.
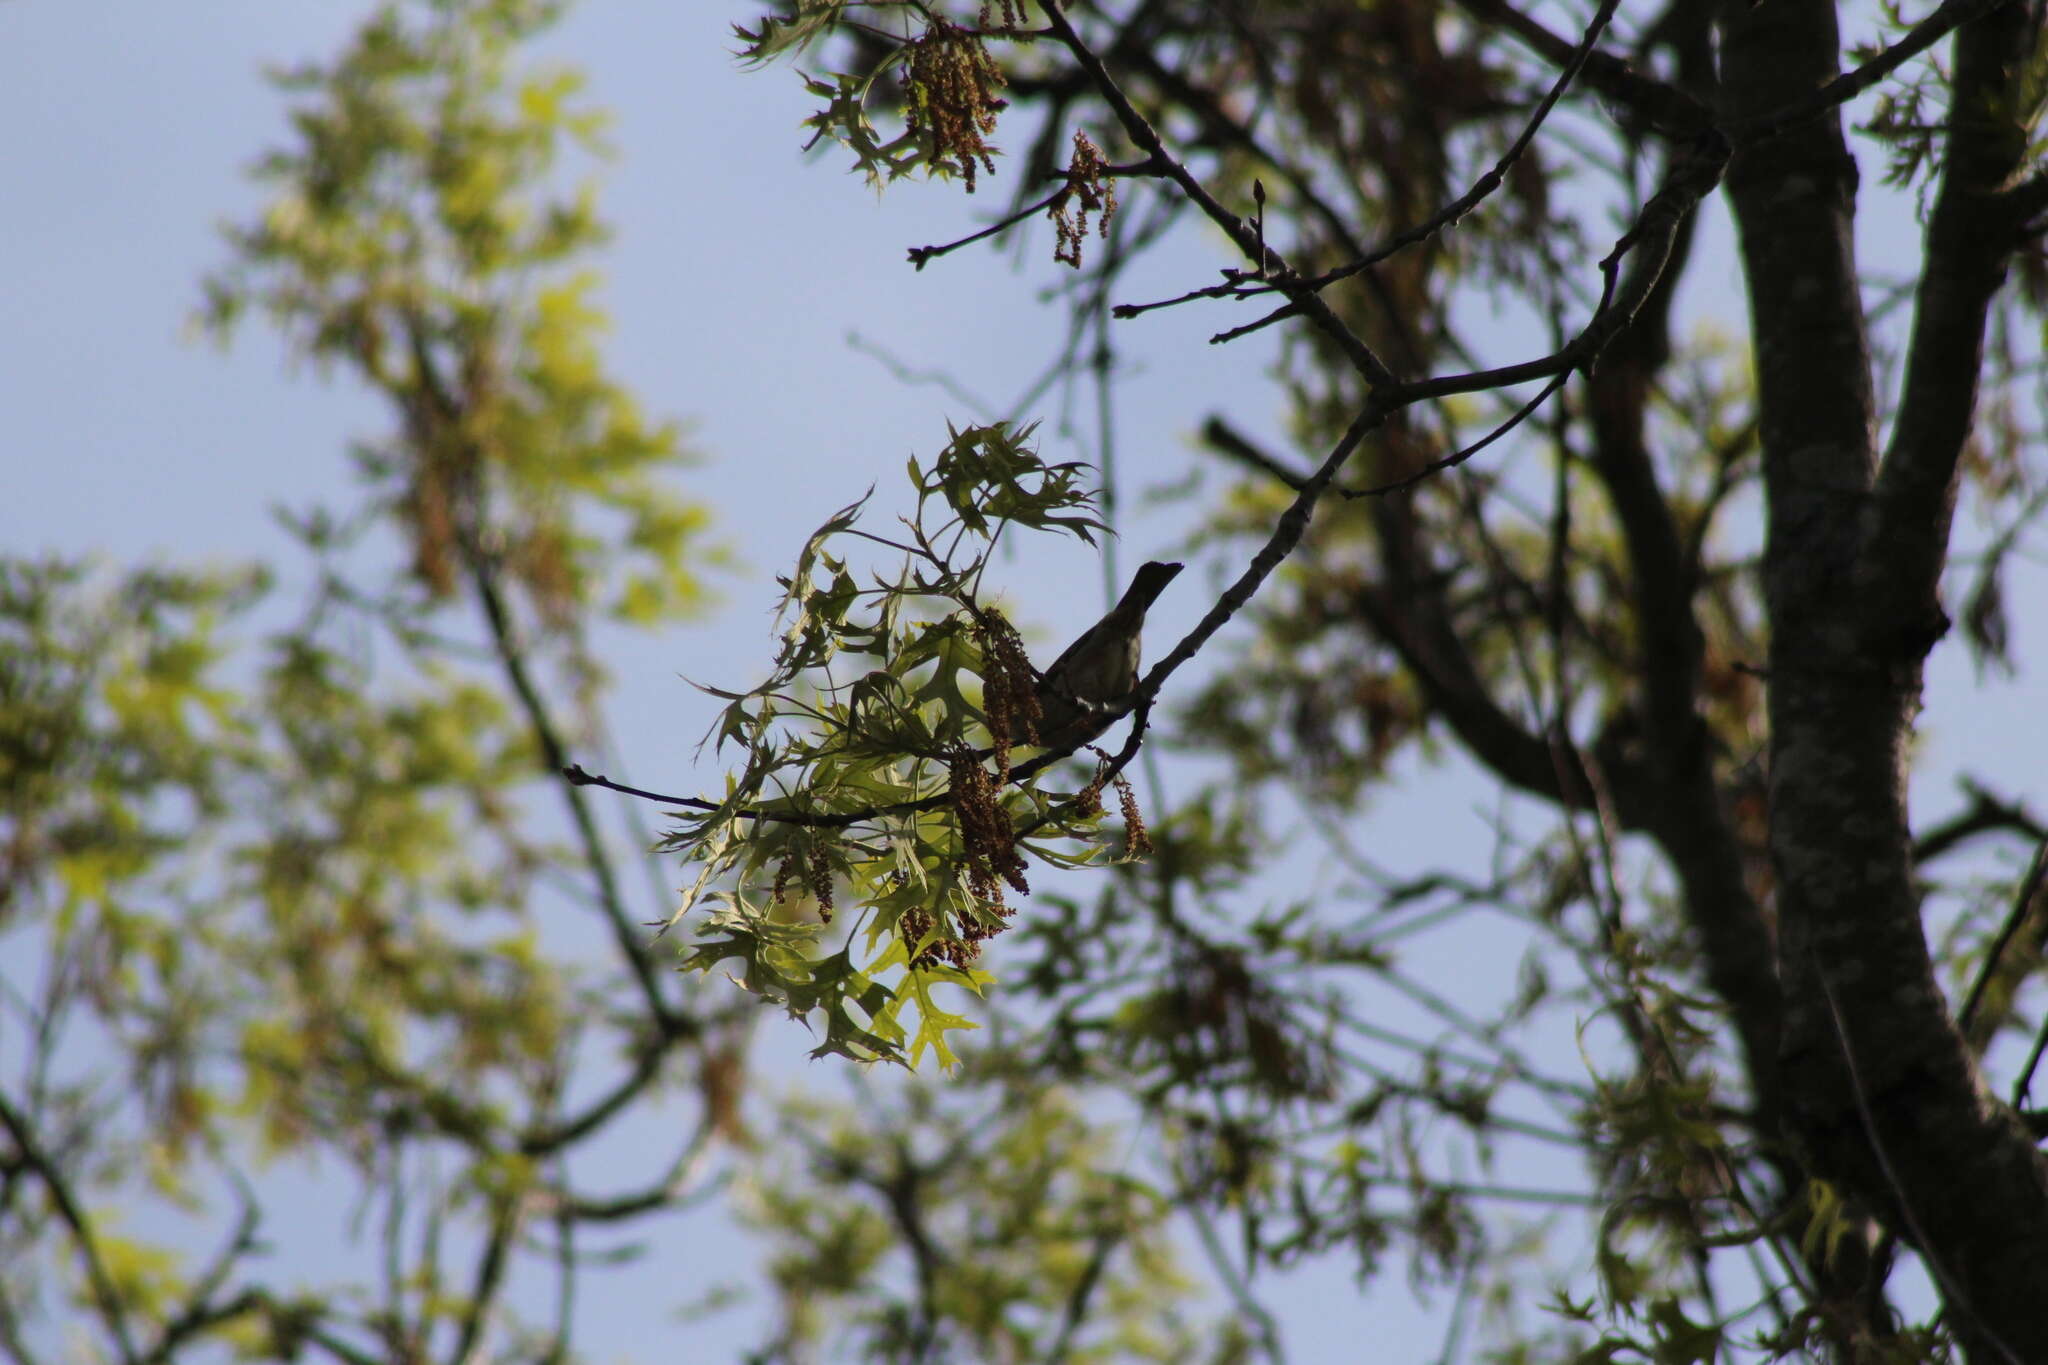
490	1276
1141	131
1946	18
1264	1327
920	256
447	411
1492	180
200	1311
2022	904
1084	1288
2025	1083
1458	457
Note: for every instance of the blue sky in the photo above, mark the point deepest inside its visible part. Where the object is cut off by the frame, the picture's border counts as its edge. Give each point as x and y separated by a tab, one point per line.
739	270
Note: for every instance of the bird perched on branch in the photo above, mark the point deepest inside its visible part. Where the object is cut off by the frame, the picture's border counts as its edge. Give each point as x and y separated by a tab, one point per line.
1098	670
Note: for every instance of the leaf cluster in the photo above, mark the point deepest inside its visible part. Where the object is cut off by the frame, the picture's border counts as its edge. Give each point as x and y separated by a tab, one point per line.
420	238
869	771
948	97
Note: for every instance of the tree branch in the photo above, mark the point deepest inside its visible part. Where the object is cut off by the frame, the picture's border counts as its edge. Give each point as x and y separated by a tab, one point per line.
1141	131
1661	106
105	1296
1986	814
1972	233
1849	580
1947	17
490	1275
447	410
200	1311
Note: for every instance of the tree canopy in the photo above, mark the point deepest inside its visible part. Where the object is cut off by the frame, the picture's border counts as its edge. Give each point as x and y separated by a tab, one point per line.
1670	591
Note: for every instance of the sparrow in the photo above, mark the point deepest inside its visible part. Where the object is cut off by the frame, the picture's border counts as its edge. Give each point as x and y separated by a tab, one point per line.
1100	668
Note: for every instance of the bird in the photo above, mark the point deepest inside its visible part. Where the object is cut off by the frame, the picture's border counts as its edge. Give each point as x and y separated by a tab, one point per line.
1099	668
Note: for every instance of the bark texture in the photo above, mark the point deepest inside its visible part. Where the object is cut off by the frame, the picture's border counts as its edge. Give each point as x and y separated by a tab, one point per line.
1882	1094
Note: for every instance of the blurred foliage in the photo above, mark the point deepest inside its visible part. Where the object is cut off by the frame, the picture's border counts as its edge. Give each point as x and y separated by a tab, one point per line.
276	895
916	1229
419	238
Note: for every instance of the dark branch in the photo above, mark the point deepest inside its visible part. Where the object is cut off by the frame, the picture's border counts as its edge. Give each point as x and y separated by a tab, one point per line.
920	256
1949	16
1660	106
1986	814
105	1296
1242	233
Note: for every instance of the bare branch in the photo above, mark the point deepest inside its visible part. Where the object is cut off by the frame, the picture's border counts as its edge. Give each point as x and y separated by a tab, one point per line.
1141	131
1987	813
1946	18
2022	908
1972	233
1495	177
1659	105
921	256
